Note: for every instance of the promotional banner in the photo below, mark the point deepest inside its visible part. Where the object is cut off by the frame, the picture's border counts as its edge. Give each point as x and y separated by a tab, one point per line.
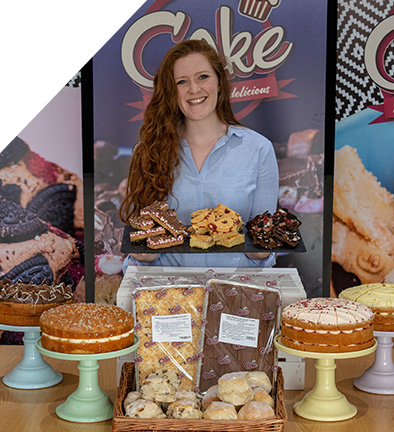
276	55
41	202
363	202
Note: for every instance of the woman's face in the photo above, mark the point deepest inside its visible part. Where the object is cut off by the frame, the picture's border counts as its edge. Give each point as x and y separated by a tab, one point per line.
197	85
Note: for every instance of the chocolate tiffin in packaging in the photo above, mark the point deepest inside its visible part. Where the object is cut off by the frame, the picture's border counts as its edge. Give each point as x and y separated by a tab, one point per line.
169	322
242	321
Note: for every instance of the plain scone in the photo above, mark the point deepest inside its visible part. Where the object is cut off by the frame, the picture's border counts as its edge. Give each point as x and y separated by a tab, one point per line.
234	389
256	410
220	411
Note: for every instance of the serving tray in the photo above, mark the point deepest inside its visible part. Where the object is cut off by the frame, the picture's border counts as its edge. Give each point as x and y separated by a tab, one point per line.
247	247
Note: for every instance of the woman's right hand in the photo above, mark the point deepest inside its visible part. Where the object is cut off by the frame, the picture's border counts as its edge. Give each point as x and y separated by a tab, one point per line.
144	257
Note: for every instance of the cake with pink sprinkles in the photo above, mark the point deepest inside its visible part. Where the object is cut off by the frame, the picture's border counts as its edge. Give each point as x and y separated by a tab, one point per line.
327	325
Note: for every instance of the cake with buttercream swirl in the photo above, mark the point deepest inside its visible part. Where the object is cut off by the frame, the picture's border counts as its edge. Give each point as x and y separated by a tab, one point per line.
21	304
379	297
86	328
327	325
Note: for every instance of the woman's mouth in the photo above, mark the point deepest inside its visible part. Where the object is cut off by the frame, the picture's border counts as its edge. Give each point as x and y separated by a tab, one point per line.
196	101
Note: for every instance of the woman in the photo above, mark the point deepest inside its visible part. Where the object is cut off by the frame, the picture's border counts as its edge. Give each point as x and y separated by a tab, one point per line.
194	154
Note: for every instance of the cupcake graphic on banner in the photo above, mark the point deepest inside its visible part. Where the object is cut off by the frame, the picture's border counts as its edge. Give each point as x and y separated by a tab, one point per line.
257	9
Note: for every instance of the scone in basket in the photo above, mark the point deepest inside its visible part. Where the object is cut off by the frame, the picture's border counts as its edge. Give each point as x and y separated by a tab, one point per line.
122	423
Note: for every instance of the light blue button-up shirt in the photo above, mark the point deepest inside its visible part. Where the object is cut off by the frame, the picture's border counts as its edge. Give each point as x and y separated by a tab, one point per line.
240	172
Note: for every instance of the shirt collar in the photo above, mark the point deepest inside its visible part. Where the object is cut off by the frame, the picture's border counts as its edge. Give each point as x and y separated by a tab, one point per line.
231	130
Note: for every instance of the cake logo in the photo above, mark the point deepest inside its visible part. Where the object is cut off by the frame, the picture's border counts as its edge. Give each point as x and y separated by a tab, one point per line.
257	297
176	344
251	365
193	323
378	43
245	278
258	10
216	307
261	54
271	283
162	293
175	309
149	311
231	292
200	309
268	316
265	350
238	347
139	359
212	341
135	295
204	322
164	360
149	344
224	360
243	311
192	359
187	292
209	375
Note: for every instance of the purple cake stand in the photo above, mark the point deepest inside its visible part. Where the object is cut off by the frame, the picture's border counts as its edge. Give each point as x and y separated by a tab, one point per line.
379	378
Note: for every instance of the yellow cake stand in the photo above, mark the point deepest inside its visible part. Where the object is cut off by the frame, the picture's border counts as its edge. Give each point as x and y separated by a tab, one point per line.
324	402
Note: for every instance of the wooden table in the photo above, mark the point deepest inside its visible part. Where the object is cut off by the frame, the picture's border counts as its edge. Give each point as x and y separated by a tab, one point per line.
34	410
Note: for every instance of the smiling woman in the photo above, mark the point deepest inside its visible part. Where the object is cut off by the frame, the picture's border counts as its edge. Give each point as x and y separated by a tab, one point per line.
193	153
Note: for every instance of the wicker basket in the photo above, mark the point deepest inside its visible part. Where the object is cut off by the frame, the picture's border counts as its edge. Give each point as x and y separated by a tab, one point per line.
122	423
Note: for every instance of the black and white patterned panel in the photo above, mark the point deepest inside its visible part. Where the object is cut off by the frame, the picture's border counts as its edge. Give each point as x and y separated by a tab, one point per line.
354	88
75	81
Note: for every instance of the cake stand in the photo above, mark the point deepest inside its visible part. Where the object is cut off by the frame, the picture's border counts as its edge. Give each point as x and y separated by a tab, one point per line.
88	404
379	378
324	402
32	372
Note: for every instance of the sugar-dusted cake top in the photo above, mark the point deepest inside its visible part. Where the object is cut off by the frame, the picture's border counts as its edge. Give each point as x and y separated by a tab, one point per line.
374	295
328	311
29	293
89	319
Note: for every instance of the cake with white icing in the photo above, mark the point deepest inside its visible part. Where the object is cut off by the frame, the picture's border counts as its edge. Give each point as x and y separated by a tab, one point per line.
86	328
327	325
379	297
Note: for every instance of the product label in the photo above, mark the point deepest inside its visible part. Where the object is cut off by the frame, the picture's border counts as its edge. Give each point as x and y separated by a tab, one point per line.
172	328
238	330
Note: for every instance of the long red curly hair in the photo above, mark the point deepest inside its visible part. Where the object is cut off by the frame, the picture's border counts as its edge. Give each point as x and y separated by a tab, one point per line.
156	155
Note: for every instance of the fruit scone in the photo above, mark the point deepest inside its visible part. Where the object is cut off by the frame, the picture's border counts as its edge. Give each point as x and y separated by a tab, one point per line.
32	250
43	187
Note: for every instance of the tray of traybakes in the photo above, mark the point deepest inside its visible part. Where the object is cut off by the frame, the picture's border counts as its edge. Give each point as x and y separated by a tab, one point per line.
212	230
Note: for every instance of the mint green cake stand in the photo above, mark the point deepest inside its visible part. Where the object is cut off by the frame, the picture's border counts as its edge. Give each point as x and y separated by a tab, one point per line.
88	404
324	402
32	372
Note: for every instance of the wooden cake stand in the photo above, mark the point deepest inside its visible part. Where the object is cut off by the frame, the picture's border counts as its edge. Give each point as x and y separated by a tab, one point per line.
88	404
324	402
32	372
379	378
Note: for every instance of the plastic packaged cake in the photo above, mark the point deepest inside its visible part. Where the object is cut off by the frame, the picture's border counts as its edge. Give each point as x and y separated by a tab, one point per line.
170	323
242	321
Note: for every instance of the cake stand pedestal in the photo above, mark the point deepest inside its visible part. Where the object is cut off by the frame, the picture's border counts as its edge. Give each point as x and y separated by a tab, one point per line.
379	378
324	402
88	404
32	372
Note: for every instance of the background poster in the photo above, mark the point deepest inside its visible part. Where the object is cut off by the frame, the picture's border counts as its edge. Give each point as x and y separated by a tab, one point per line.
363	202
291	115
41	199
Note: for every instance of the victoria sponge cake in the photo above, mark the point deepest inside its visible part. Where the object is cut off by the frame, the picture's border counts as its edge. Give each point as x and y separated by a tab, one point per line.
327	325
86	328
377	296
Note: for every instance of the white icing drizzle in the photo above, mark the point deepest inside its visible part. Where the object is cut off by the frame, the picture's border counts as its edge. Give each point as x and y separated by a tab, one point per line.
328	311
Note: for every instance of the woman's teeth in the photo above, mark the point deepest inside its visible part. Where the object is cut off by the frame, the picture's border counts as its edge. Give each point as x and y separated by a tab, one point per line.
196	101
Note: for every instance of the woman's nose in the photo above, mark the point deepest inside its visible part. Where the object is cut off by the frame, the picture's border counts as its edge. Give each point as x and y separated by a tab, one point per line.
194	87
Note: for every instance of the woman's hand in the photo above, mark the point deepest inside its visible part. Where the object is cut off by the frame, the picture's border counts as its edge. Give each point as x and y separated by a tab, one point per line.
144	257
258	255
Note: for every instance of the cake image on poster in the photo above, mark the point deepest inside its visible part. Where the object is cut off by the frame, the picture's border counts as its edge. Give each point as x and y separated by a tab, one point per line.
53	193
363	224
257	9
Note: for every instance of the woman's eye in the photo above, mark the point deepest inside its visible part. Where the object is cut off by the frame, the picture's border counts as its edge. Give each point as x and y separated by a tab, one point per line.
204	76
180	82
